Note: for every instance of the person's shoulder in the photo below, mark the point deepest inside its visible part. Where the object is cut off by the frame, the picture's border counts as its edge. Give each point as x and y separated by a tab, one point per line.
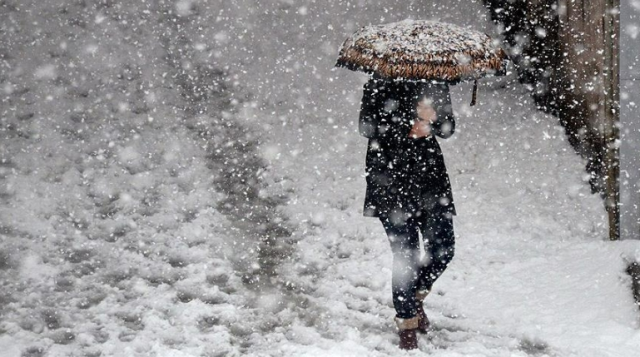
432	83
379	84
434	88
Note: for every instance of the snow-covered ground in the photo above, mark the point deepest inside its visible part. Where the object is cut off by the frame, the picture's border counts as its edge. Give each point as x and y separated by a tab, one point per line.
152	206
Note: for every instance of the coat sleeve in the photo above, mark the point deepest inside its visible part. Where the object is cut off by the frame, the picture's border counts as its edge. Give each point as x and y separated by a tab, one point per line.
377	120
445	123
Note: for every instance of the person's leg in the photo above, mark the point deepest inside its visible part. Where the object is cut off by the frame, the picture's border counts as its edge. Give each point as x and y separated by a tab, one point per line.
439	240
404	240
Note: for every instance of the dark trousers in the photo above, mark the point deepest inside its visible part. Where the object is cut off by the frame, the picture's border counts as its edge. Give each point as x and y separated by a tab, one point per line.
410	273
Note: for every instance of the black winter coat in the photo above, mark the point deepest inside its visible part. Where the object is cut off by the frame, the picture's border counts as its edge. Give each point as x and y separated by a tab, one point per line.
404	175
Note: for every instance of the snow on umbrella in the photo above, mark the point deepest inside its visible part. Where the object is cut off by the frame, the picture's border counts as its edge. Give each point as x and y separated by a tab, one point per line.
421	49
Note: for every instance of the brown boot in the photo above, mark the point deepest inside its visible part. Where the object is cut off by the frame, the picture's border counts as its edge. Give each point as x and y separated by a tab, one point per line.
407	332
423	321
421	295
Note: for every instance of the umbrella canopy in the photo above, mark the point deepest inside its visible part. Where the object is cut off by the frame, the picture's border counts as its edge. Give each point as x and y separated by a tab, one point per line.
420	49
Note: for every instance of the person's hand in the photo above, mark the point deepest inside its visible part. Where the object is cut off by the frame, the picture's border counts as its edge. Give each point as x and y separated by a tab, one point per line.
426	115
420	129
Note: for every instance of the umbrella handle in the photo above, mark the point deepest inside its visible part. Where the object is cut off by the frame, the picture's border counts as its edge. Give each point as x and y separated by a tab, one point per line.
475	93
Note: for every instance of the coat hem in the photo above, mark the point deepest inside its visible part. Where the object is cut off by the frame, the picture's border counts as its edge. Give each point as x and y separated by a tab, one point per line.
372	213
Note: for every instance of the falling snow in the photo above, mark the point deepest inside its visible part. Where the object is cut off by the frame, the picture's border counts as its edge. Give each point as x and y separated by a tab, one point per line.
186	178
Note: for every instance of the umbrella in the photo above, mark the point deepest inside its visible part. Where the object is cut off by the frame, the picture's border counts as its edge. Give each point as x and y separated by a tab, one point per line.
421	49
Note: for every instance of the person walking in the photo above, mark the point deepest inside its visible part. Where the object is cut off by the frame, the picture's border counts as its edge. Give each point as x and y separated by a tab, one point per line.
408	188
405	105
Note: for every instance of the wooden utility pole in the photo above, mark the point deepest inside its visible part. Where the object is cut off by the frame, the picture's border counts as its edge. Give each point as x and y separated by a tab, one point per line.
589	40
611	134
573	64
